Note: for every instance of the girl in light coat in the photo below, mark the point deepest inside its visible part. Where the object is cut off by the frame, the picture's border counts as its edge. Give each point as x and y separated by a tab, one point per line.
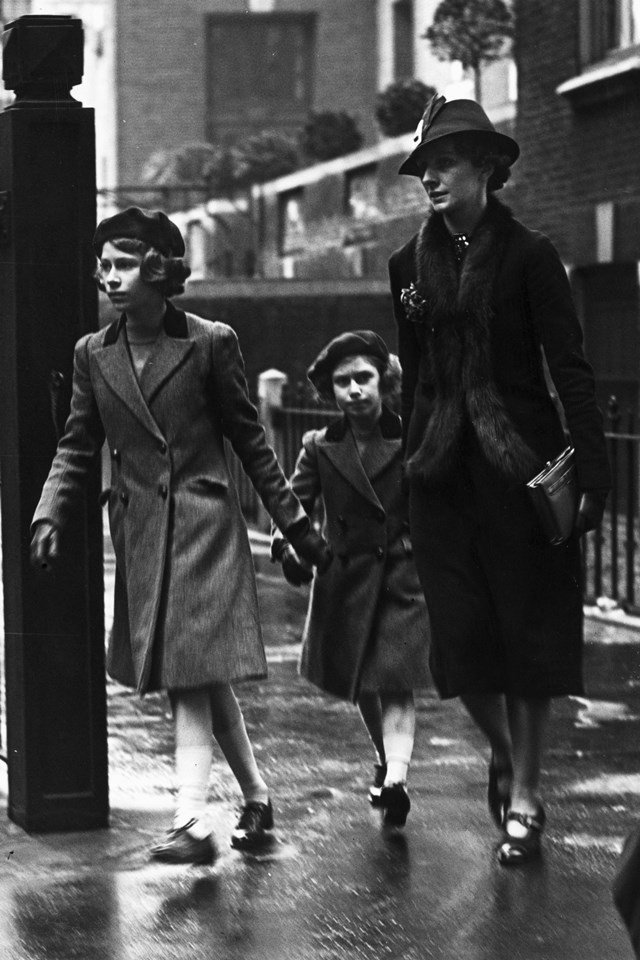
165	388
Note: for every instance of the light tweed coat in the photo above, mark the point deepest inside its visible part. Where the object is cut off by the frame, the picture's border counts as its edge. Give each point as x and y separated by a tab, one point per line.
186	610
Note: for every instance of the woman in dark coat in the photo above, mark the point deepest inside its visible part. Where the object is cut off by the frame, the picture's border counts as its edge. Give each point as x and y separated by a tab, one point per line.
165	388
481	302
366	633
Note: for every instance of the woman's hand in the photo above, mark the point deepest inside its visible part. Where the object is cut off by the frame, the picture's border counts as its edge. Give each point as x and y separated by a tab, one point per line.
590	511
44	545
294	571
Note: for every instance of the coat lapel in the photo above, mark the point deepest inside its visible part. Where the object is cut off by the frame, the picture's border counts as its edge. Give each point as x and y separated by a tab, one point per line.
167	357
341	449
379	455
169	353
115	366
344	456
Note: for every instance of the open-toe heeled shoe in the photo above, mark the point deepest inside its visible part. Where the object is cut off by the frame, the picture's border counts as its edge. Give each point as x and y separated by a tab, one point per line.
498	800
515	850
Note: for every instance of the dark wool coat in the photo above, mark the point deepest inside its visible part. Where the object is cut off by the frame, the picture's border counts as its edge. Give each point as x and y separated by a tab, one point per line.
367	626
186	611
505	606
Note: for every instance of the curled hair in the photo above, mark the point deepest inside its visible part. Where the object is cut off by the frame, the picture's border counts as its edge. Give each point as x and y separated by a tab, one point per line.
390	379
481	151
166	274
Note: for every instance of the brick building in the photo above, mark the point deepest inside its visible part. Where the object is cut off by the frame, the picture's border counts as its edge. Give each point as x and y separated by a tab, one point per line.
578	179
161	73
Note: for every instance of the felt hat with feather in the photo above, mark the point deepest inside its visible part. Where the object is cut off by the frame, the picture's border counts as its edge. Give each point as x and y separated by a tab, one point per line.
444	118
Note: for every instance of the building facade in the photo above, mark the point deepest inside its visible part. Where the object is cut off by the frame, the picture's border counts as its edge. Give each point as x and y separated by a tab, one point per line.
345	217
163	73
579	175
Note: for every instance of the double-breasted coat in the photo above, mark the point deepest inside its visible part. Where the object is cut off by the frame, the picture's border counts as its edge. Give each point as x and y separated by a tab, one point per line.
186	609
367	626
505	606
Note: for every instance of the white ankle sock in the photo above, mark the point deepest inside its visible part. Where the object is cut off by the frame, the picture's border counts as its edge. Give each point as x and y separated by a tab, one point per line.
398	749
193	766
238	752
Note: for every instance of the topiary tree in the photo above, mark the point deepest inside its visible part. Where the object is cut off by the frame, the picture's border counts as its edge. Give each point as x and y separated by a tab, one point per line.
327	135
263	157
471	31
399	107
194	165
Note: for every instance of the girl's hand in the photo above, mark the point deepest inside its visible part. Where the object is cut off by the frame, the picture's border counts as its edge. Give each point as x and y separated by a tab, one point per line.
44	545
294	572
313	549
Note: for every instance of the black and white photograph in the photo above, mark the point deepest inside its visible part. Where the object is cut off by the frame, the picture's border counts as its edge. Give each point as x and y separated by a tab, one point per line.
320	480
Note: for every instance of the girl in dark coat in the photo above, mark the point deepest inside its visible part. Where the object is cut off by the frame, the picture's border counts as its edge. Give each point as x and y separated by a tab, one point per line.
481	302
165	388
366	632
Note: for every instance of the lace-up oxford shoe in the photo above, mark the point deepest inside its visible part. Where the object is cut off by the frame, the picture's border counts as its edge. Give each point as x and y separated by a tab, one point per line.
251	829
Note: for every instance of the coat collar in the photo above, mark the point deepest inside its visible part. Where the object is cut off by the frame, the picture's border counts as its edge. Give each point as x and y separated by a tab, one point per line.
456	314
390	427
340	447
175	325
171	350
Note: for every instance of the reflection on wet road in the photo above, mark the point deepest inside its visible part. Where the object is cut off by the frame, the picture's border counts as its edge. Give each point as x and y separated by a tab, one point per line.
334	884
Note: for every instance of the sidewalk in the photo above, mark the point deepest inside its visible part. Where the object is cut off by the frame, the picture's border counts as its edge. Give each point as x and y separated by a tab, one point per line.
333	885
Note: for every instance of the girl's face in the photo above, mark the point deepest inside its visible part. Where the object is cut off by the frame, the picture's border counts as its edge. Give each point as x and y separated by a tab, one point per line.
356	388
120	275
453	184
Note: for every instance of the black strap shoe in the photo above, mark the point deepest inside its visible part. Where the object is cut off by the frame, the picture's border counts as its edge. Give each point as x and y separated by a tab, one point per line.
516	850
180	846
250	831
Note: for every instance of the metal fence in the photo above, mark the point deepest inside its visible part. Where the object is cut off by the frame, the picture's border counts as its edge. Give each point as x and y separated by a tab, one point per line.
611	559
610	553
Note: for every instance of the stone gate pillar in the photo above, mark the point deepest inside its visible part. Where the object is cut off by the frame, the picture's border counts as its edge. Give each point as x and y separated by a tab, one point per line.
54	625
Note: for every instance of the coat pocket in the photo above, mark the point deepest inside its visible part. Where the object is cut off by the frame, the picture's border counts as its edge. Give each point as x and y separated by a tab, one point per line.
211	485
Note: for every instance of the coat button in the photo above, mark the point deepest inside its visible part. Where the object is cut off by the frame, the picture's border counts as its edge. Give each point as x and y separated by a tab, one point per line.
115	455
379	552
124	497
162	447
163	490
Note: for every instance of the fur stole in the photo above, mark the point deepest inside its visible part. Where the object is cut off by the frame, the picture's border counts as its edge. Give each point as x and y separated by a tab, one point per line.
456	315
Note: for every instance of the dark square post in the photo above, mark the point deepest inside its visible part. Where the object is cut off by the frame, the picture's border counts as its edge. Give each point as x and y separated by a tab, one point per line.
54	625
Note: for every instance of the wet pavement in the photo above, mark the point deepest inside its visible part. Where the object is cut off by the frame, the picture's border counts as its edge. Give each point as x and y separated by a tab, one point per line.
333	884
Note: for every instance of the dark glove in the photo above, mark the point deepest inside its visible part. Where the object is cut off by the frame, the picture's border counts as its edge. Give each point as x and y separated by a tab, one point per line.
312	548
294	572
590	511
44	545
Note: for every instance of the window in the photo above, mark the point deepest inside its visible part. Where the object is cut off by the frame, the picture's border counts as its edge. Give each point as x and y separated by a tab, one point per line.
291	223
259	72
362	195
403	65
608	26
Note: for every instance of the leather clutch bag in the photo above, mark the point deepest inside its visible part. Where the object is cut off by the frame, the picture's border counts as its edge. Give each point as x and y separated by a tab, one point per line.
554	492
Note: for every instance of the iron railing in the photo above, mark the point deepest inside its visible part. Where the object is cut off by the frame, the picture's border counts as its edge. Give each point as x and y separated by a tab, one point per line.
611	558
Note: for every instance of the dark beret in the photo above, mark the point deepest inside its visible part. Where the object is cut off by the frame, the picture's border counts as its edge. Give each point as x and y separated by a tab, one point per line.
349	344
151	226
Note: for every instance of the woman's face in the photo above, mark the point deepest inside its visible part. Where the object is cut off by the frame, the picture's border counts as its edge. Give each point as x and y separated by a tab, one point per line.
120	274
453	184
356	388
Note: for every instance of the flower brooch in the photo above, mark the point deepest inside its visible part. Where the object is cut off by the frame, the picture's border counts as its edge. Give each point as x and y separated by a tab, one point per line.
414	304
